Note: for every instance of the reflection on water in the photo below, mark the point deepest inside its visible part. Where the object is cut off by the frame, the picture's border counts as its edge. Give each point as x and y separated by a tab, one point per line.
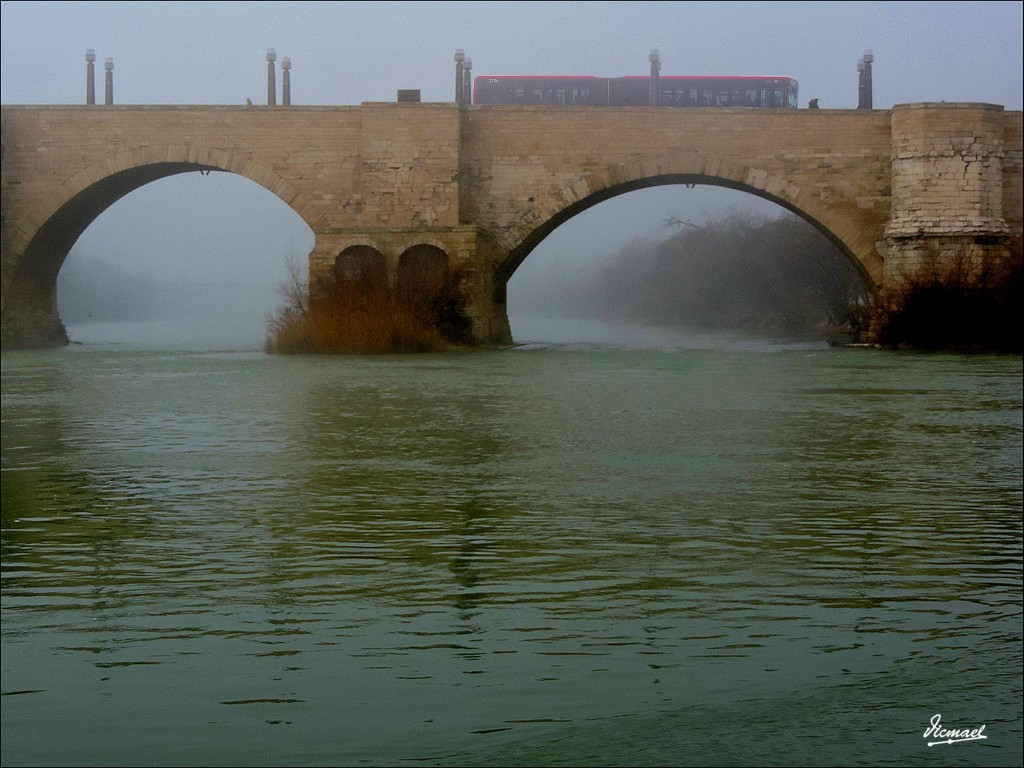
236	332
549	555
587	332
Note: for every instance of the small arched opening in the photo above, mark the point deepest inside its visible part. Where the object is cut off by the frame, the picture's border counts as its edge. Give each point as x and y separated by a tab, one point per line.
362	267
422	272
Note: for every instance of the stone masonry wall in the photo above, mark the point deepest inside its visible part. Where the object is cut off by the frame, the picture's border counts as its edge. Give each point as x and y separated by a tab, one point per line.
948	189
523	165
375	165
486	184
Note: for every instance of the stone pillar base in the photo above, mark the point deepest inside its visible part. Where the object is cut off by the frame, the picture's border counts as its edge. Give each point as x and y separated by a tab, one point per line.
944	257
31	330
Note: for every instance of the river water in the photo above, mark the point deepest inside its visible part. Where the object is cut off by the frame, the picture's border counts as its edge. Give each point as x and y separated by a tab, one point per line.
653	550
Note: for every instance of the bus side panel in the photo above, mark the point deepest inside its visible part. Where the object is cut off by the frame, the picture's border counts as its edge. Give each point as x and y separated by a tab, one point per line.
774	93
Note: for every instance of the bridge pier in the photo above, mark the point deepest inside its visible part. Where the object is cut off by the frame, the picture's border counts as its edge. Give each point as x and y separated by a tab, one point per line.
958	257
470	252
948	191
32	324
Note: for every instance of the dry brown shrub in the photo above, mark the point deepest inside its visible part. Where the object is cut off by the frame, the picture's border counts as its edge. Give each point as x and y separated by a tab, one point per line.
344	316
955	304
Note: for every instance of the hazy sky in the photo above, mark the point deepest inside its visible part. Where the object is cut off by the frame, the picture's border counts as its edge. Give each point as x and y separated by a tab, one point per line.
347	53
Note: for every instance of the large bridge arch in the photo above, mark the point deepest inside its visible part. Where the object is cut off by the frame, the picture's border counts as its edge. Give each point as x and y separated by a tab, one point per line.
93	189
46	237
555	208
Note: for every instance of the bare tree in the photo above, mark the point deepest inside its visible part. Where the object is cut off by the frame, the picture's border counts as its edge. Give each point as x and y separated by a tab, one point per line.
295	288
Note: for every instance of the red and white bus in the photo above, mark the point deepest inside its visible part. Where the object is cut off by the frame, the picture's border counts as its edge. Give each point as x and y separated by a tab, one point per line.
673	91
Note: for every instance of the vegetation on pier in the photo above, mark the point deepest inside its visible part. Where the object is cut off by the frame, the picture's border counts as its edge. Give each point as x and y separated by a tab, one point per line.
339	315
959	306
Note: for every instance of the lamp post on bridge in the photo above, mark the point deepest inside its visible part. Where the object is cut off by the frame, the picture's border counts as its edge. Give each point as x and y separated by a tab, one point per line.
90	77
108	65
869	57
286	81
460	85
864	98
271	84
655	60
467	84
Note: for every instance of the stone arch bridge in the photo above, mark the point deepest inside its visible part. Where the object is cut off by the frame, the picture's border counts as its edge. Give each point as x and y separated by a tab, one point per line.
482	186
